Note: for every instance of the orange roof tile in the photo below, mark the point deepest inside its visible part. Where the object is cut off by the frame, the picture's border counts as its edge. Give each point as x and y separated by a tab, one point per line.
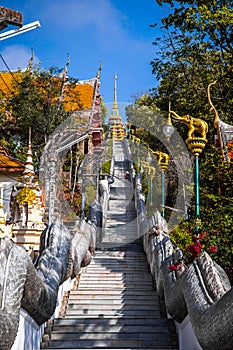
8	80
8	163
76	97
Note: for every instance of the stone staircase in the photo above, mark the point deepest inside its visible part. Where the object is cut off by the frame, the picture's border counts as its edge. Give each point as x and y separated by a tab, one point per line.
114	305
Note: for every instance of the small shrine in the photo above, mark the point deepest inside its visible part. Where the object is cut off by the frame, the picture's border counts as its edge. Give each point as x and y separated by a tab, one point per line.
116	126
26	206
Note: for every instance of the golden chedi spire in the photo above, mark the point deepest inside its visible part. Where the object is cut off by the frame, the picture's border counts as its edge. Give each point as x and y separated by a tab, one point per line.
115	122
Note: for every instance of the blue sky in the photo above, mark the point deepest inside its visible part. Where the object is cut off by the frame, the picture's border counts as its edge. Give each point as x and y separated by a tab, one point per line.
117	32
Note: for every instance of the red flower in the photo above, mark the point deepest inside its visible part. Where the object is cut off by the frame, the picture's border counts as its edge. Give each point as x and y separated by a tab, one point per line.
194	249
213	249
202	235
172	267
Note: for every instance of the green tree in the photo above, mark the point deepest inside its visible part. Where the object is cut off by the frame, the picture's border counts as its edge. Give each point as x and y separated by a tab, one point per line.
36	103
195	49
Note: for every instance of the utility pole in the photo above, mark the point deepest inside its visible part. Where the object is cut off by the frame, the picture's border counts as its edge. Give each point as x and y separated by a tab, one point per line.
15	18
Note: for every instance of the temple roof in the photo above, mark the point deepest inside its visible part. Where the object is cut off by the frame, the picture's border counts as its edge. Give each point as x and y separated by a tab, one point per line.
77	96
8	80
8	163
84	93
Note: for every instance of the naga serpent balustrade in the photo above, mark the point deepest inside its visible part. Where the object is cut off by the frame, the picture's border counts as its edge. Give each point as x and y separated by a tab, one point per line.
35	288
200	290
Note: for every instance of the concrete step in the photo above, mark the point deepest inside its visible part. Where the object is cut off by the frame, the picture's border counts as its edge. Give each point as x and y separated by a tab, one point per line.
162	344
113	313
123	269
134	255
115	277
124	283
124	293
123	272
129	283
120	267
109	316
95	276
109	329
112	300
113	306
104	289
95	322
119	336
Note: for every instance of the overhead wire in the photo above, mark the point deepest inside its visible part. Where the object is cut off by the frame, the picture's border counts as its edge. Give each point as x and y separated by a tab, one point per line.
3	93
3	60
12	75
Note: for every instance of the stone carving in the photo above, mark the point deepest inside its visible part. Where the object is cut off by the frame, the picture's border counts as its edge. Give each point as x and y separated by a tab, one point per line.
62	252
35	288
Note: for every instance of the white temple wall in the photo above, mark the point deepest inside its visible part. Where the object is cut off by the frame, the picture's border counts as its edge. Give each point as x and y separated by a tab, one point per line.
29	333
8	181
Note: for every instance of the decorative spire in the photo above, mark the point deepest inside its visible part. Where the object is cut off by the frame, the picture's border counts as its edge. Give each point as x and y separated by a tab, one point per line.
116	126
66	66
29	172
63	79
30	62
99	70
115	106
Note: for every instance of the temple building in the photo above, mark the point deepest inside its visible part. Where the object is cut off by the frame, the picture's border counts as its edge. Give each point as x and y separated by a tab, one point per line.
115	124
84	95
26	207
22	199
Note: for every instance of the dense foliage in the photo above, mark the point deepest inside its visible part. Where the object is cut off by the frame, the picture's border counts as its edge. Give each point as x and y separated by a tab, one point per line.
195	48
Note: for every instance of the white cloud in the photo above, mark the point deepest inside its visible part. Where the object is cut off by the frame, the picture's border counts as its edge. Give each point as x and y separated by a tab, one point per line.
16	56
73	14
94	24
97	20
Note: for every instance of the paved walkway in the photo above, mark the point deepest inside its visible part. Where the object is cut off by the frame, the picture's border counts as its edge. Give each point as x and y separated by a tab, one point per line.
115	305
